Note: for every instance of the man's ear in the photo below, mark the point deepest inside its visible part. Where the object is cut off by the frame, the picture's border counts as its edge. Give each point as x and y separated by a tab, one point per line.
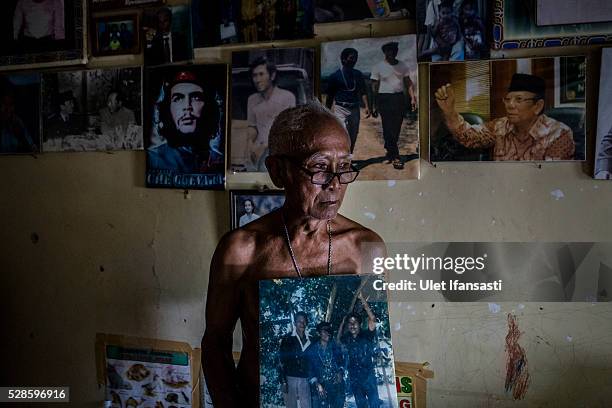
276	170
540	106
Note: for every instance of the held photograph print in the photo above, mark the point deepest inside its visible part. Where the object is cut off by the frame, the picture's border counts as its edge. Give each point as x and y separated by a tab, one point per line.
325	342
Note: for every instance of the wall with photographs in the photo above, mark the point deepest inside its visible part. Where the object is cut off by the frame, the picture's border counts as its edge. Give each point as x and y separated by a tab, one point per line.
86	248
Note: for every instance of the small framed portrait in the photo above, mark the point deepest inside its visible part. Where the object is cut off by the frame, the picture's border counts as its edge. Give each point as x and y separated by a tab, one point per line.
41	33
338	327
350	10
249	205
572	79
167	35
115	35
97	5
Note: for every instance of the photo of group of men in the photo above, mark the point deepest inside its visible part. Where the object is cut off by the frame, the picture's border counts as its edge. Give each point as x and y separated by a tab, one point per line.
115	36
507	110
92	110
264	83
325	343
370	84
453	30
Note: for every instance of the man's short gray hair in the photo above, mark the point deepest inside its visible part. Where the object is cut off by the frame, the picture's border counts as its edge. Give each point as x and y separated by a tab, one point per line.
287	134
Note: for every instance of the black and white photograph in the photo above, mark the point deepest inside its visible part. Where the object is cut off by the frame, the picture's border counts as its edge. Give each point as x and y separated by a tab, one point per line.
508	110
603	145
264	83
453	30
249	205
19	113
371	86
92	110
325	342
115	35
41	32
185	112
167	35
327	11
248	21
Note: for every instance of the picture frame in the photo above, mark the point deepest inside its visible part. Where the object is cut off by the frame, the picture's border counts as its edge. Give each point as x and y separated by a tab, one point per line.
102	5
102	41
572	79
61	42
262	203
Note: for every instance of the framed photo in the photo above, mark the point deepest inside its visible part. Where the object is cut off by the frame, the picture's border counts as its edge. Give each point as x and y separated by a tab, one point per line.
548	12
376	101
515	26
97	5
41	33
94	110
248	21
348	10
264	83
185	111
339	327
19	113
603	145
249	205
167	35
453	31
508	110
115	35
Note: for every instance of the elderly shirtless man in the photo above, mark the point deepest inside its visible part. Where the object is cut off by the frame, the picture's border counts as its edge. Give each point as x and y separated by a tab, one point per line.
310	158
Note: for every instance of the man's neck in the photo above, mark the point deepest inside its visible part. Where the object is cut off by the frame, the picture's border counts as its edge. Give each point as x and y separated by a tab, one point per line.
522	129
391	61
303	225
65	116
268	92
323	344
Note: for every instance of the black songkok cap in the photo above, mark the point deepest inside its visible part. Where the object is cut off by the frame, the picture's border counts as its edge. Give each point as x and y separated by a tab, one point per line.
527	83
392	44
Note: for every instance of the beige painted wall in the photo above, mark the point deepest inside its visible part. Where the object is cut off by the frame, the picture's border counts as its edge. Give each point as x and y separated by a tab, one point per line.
115	257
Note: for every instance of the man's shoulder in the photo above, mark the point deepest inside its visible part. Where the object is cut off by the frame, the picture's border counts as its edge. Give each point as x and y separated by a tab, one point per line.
554	123
358	231
285	94
359	238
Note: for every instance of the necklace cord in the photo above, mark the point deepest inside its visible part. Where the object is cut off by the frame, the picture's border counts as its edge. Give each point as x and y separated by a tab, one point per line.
292	254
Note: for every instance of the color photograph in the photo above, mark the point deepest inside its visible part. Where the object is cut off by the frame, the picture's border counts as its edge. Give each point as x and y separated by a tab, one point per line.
264	83
185	110
116	35
328	11
19	114
371	86
248	21
167	35
603	145
515	25
453	30
325	342
42	31
249	205
508	110
92	110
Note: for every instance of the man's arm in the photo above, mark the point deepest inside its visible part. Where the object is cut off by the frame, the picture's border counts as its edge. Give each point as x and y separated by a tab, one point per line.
562	148
222	313
375	88
409	85
471	136
364	94
366	307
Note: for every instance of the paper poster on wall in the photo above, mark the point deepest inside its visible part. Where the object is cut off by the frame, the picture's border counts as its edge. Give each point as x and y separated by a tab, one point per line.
185	112
347	10
453	30
371	86
508	110
92	110
43	33
325	340
19	113
603	145
147	372
515	25
264	83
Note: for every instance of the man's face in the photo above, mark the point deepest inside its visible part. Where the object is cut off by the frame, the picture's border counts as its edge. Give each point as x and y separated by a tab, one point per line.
390	52
522	107
113	103
353	326
468	10
261	78
329	150
350	60
445	12
164	22
325	336
300	323
67	107
186	104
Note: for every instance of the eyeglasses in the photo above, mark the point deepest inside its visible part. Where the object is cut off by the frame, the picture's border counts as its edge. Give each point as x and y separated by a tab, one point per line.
322	178
517	99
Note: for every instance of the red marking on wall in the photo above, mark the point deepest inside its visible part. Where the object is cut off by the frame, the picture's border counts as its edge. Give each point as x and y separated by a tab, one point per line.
517	371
